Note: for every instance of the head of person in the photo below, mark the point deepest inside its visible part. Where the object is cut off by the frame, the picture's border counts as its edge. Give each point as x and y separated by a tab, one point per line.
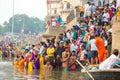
74	41
66	49
33	46
41	43
48	62
88	3
105	11
93	4
59	16
21	57
109	33
116	52
48	40
73	53
36	50
45	45
51	45
61	43
97	35
83	47
92	37
105	24
26	50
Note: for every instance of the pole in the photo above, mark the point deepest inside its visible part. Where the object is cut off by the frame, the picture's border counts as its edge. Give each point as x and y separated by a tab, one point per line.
85	70
50	14
13	19
75	15
23	26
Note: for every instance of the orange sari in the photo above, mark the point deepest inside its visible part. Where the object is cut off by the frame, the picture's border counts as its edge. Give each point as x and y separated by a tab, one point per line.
21	64
101	48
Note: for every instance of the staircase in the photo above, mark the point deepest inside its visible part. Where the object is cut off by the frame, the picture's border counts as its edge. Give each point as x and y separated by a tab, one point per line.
51	32
70	24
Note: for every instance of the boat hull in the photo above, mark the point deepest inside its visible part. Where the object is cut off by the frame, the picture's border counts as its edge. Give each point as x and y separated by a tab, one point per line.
103	75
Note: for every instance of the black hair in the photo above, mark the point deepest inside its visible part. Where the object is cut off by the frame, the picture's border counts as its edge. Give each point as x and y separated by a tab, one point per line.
45	45
35	56
88	2
92	37
97	35
33	45
48	40
42	43
116	52
65	48
22	57
68	41
73	51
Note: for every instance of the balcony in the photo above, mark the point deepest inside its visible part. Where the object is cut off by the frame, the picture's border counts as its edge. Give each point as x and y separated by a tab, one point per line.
55	1
65	11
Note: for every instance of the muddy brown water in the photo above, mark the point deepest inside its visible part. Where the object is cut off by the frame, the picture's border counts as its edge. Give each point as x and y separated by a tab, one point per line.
8	72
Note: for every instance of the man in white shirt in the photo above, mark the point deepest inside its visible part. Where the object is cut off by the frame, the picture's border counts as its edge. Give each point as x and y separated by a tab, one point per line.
93	50
42	48
73	46
87	11
68	34
106	16
111	61
117	3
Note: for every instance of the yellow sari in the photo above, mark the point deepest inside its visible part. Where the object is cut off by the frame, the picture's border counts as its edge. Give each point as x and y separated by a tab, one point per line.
118	12
30	67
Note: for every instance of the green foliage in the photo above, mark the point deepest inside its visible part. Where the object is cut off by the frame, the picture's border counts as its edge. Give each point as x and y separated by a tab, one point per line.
30	24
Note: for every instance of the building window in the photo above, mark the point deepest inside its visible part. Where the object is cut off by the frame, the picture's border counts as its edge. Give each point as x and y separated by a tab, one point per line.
68	5
55	11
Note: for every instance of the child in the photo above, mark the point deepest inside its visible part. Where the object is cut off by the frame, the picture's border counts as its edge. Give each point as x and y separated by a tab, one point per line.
58	62
48	67
82	54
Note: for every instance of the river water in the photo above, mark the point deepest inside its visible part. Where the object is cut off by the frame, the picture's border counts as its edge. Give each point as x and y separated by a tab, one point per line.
8	72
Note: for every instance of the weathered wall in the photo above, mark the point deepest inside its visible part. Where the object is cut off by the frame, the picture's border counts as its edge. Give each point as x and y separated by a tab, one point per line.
116	33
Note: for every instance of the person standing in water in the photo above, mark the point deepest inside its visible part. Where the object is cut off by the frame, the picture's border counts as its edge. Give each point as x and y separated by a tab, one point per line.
65	59
48	67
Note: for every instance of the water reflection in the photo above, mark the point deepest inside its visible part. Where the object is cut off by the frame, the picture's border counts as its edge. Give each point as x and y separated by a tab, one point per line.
8	72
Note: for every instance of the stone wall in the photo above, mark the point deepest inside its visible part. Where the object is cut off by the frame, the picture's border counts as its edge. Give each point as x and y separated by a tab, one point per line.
116	33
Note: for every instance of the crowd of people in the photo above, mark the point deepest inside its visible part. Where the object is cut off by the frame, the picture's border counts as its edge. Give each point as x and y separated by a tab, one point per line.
89	42
7	50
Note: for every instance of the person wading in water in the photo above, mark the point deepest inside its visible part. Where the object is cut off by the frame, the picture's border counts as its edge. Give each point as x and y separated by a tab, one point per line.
65	59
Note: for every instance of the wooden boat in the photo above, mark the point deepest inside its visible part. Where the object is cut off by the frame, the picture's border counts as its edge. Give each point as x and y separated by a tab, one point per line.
111	74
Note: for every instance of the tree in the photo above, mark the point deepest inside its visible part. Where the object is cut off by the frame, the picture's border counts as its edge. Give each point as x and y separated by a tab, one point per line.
31	24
